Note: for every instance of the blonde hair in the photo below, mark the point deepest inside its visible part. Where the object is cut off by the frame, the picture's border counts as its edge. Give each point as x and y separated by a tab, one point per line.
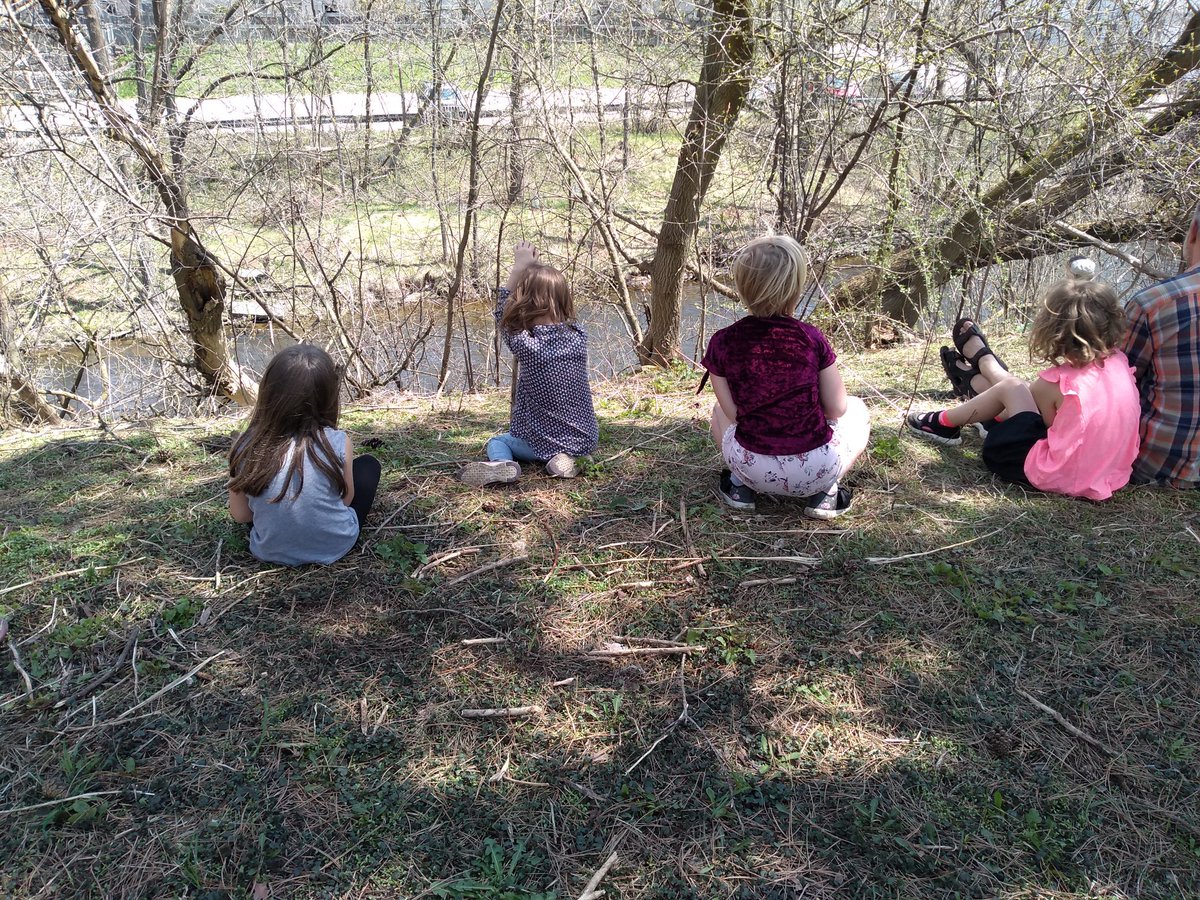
770	273
1079	321
541	293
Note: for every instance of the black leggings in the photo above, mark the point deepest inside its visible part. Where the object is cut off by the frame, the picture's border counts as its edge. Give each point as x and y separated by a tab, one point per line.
367	471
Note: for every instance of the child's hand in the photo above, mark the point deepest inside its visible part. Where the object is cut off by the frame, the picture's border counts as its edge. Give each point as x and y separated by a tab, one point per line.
524	255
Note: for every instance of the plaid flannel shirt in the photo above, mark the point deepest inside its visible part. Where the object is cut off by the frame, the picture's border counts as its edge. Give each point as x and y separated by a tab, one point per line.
1163	346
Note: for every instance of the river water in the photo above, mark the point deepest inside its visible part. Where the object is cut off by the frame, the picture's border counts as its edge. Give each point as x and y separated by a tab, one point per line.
132	377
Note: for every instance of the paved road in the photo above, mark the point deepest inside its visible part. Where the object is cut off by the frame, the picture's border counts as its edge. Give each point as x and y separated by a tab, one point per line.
388	110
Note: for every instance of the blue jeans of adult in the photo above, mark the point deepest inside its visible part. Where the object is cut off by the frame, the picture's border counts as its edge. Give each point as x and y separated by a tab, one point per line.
504	447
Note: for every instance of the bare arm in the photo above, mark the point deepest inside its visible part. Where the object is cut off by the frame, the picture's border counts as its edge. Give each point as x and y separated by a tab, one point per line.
239	507
1049	398
832	391
348	472
724	397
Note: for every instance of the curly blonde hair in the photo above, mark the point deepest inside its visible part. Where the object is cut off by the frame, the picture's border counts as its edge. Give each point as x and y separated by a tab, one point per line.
770	274
1079	321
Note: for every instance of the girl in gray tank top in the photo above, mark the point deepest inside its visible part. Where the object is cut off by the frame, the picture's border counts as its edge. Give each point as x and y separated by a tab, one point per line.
292	474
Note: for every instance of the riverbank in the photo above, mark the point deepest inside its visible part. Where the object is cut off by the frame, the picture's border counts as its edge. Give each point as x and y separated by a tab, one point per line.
960	689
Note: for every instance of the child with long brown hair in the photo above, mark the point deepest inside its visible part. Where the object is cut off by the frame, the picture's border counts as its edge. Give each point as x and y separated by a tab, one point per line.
1073	430
553	420
292	475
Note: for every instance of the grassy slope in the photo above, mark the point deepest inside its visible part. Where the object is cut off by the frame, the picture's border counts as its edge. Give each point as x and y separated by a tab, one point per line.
860	732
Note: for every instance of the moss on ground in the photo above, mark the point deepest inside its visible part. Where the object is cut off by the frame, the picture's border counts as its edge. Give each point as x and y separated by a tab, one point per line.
858	727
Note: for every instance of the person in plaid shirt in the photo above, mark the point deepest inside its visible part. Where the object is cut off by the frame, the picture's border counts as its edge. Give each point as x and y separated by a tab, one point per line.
1163	346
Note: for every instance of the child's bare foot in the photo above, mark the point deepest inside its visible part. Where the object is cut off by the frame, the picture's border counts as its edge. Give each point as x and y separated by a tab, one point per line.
524	255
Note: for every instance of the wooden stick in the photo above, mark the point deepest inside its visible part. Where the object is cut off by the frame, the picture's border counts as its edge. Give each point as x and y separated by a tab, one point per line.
490	567
645	651
68	573
687	535
170	687
1063	721
510	712
647	641
72	799
887	560
590	892
499	776
16	655
759	582
475	642
103	676
443	558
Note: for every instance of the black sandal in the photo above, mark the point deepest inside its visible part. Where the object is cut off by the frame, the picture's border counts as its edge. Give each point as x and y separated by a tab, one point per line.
962	334
960	379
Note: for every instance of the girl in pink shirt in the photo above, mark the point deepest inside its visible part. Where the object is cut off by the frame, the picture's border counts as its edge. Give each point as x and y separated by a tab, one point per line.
1074	429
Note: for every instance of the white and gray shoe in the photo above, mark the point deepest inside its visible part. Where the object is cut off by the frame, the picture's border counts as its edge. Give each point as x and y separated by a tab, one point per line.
562	465
504	471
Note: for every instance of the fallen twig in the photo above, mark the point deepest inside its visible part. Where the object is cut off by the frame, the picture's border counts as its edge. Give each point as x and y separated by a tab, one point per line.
590	892
645	651
490	567
476	642
885	560
687	535
71	799
1066	724
499	776
509	712
67	574
16	655
759	582
103	676
441	558
170	687
647	641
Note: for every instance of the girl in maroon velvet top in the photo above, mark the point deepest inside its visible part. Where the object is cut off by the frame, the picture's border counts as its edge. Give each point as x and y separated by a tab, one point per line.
782	418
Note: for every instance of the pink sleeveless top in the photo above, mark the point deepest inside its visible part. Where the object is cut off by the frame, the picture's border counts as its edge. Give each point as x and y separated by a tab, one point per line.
1090	448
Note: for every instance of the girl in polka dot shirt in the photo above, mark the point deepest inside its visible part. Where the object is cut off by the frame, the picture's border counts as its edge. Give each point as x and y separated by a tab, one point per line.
553	420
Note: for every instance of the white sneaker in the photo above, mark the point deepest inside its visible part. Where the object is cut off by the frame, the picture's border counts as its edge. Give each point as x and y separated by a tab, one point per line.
499	472
562	465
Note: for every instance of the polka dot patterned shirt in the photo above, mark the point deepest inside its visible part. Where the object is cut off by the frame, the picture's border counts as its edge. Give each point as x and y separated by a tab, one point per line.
553	410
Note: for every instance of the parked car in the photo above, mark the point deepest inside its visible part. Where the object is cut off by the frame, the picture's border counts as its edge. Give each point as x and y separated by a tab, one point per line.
842	89
450	104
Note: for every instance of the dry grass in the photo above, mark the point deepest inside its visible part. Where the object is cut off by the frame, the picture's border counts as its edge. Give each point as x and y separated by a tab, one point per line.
859	732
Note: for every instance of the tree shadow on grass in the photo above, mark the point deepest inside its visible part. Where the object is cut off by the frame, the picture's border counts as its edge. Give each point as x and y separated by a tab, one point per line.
855	732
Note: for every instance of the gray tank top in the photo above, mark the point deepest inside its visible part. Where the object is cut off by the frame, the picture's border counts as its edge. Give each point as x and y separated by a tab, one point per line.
314	527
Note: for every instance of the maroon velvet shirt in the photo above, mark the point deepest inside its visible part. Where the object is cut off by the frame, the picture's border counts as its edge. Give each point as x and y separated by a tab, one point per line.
771	365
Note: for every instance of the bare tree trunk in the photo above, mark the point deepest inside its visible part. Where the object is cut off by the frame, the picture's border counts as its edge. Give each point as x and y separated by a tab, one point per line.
16	391
472	196
516	107
95	27
720	92
198	280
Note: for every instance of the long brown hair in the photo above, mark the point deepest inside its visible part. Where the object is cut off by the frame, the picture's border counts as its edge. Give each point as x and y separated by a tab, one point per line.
1080	321
297	401
542	292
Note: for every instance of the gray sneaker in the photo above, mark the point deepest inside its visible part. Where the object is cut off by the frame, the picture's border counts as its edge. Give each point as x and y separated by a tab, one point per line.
499	472
562	465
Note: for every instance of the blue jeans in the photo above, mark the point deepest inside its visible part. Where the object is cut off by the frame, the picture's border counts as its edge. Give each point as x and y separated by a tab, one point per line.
507	447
